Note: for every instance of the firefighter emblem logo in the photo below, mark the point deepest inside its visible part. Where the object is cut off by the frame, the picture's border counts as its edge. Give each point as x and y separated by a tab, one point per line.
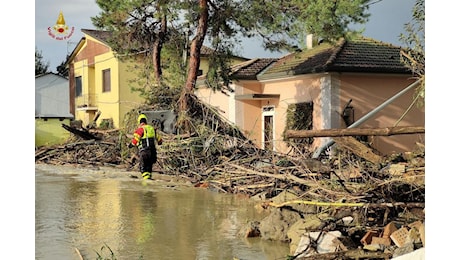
60	31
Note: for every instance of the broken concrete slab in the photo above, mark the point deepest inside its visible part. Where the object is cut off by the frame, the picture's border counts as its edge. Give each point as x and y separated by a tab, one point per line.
418	254
323	242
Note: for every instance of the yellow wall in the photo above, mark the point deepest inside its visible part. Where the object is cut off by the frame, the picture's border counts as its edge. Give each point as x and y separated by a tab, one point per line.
81	70
108	102
204	65
113	104
128	99
50	132
121	99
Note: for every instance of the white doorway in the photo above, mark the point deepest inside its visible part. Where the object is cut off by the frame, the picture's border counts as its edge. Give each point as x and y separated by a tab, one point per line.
268	128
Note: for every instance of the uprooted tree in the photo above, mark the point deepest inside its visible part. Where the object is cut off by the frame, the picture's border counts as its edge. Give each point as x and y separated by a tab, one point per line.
158	31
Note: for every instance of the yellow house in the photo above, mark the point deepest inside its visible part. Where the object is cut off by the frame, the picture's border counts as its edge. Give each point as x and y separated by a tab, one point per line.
99	82
324	87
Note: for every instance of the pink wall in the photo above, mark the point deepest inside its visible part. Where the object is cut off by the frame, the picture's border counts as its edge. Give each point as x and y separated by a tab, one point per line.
296	90
251	119
215	99
368	92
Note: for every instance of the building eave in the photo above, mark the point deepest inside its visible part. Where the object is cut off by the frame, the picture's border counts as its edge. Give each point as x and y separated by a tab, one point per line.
257	97
77	48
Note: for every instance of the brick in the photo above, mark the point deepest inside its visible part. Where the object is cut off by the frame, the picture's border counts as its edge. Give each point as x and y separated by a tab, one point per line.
367	238
381	241
415	224
389	229
399	236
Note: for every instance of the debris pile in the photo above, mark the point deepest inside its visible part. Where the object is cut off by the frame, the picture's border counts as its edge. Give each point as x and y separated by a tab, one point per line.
339	207
102	150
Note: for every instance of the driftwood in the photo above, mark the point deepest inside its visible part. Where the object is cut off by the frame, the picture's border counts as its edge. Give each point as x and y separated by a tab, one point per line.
350	254
83	134
79	254
351	204
358	148
387	131
242	167
219	159
93	123
91	152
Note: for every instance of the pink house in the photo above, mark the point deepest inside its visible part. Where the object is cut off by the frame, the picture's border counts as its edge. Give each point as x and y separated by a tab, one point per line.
323	87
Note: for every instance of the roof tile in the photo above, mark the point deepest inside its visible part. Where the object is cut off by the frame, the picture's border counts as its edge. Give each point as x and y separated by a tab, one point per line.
103	36
250	69
358	55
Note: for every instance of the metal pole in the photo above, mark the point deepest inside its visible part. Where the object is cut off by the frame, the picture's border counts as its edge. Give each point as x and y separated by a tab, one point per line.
367	116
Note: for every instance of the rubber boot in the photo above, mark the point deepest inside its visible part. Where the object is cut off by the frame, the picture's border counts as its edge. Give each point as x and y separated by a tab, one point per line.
146	175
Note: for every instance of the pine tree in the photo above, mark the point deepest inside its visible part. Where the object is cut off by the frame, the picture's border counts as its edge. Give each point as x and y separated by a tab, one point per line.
62	70
41	67
153	26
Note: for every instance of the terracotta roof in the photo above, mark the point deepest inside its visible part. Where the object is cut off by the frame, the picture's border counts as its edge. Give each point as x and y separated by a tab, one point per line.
206	51
359	55
249	69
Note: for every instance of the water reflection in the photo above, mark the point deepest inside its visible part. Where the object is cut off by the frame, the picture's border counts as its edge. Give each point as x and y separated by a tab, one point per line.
80	213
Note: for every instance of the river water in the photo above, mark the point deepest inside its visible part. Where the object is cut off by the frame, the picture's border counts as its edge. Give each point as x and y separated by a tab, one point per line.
99	213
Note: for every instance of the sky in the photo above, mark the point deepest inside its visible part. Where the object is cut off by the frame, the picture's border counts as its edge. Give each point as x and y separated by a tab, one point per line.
385	24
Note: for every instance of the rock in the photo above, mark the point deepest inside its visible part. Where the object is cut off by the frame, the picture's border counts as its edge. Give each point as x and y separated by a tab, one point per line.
287	195
403	250
418	254
251	229
276	225
374	247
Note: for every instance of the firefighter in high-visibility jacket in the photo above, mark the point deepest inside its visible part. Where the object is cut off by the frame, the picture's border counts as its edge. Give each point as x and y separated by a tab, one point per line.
144	138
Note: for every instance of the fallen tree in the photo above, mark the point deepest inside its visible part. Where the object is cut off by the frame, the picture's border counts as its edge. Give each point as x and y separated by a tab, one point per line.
386	131
217	156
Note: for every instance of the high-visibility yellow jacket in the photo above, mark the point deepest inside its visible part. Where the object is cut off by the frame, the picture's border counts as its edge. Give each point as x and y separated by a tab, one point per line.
145	136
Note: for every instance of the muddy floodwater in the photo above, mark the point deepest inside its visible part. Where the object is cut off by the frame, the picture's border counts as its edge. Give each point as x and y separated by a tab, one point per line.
84	213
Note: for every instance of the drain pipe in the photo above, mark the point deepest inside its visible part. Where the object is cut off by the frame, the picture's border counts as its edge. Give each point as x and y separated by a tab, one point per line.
367	116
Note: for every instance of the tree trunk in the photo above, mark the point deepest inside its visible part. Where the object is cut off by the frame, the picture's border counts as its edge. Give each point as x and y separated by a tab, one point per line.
398	130
157	46
358	149
195	50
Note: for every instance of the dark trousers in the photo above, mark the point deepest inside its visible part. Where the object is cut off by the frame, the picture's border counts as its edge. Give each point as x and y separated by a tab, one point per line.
147	158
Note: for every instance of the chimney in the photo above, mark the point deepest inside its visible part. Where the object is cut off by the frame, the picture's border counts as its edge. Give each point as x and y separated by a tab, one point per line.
309	41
